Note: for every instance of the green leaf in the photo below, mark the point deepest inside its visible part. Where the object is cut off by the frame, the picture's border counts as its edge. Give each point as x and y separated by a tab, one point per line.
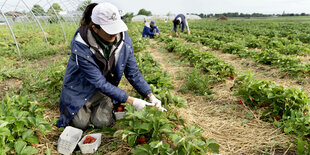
176	138
182	121
3	123
29	150
244	121
212	144
27	133
144	126
108	131
118	133
33	139
142	150
288	130
300	145
165	128
277	124
19	146
48	151
5	131
173	116
132	140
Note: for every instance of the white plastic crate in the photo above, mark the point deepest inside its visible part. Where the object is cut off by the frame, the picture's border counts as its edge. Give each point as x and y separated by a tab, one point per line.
92	147
68	140
119	115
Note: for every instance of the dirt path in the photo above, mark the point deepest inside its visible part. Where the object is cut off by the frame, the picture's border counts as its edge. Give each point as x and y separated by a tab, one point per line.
262	72
15	83
221	118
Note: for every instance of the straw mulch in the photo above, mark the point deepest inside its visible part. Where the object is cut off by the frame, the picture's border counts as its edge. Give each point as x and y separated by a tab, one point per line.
236	128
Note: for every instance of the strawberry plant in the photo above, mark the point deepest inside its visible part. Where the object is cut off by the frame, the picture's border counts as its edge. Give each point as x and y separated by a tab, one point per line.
149	122
285	105
151	128
158	80
198	83
203	60
19	115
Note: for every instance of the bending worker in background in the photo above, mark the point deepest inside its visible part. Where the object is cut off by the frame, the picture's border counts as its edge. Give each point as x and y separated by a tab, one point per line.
150	30
180	20
101	52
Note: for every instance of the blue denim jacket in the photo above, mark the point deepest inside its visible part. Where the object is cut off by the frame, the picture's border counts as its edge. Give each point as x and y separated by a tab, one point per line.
83	77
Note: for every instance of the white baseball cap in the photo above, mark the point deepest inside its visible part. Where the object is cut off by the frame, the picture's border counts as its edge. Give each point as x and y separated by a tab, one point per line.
107	16
179	19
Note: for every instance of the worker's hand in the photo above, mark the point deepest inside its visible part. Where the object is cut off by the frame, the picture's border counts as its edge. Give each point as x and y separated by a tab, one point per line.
188	32
156	34
140	104
157	102
176	34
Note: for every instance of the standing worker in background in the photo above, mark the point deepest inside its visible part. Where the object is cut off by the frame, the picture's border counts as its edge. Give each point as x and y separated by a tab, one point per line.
101	52
180	20
150	30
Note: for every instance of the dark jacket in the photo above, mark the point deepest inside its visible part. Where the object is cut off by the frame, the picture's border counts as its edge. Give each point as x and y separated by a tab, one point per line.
149	31
83	77
182	24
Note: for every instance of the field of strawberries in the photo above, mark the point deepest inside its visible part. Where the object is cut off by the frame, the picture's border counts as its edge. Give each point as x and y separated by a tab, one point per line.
231	87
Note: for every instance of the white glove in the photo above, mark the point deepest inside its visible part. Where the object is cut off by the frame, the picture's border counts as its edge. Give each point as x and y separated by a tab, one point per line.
157	102
140	104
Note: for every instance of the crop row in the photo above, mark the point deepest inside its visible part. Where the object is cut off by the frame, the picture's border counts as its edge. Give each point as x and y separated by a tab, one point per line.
286	38
287	108
289	65
163	132
32	44
207	62
151	131
21	111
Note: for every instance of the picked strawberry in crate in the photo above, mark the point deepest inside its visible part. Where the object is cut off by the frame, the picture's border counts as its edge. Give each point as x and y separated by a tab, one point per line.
89	140
120	112
90	143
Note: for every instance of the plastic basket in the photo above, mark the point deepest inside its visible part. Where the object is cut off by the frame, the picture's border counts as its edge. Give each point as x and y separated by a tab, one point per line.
68	140
119	115
90	148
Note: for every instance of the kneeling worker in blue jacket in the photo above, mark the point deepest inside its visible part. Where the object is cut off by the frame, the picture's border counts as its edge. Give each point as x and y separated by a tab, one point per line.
101	52
150	30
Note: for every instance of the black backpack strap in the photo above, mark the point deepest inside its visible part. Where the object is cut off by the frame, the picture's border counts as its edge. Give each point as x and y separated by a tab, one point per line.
83	32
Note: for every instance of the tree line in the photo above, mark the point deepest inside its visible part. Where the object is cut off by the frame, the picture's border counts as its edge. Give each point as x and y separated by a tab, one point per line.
237	14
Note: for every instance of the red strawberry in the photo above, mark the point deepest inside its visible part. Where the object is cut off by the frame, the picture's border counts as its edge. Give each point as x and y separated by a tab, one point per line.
252	99
92	140
240	102
278	118
119	109
232	77
89	139
142	140
33	144
86	141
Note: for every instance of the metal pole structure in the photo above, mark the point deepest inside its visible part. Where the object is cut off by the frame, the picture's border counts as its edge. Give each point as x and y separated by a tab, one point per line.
84	6
30	22
63	30
70	16
36	20
12	21
19	17
7	22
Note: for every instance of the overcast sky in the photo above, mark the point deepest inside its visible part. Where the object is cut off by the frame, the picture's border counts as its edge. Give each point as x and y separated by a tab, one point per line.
162	7
216	6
